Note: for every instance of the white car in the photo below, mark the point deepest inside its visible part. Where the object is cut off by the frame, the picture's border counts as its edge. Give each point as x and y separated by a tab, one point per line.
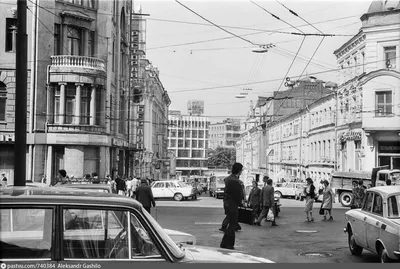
376	226
172	189
288	189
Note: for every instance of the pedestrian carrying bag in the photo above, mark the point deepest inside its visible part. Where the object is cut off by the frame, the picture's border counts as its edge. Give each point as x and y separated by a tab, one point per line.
270	215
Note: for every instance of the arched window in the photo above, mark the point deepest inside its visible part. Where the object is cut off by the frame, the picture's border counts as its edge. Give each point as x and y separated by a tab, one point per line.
3	101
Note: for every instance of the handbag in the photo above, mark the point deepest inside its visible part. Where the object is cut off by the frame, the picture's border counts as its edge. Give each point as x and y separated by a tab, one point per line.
321	211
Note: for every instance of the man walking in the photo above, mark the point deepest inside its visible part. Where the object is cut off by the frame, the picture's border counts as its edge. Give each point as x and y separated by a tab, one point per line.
144	195
233	197
266	201
225	221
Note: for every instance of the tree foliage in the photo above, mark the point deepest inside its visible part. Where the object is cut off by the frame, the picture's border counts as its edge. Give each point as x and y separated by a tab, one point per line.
221	157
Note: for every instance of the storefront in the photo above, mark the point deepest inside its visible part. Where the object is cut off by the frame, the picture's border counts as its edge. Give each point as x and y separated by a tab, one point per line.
389	154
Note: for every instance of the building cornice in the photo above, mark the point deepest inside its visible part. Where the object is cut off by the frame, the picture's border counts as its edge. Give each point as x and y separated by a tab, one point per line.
350	45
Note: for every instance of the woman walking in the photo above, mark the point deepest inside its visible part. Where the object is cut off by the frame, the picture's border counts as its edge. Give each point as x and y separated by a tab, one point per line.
309	191
327	200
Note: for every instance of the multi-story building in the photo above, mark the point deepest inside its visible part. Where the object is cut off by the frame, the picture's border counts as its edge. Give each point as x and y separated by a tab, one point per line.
225	133
302	144
368	110
298	95
80	112
8	35
188	140
250	149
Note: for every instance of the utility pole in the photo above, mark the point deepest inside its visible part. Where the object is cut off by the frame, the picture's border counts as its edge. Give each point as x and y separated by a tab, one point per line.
20	96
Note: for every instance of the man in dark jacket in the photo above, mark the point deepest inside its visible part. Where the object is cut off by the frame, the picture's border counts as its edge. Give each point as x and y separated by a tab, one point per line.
233	197
144	195
266	200
225	221
254	200
121	186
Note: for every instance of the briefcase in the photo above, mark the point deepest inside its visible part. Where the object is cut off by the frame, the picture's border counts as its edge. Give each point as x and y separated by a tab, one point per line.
245	215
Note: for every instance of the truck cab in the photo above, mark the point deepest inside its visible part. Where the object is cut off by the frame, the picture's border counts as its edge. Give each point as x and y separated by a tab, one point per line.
385	175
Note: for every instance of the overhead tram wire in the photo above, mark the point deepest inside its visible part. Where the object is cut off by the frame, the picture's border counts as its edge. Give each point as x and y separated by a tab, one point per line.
276	17
315	51
219	27
277	79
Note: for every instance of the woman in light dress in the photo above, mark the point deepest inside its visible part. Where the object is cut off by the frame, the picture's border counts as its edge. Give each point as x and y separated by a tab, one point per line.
327	200
309	192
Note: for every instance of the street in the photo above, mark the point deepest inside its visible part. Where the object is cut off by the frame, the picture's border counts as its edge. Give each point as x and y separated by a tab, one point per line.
294	241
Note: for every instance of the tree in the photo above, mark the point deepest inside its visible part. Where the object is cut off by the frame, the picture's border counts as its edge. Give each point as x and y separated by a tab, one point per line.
221	157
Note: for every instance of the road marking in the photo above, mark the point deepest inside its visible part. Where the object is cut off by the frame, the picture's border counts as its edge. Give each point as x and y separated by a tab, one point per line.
306	231
207	223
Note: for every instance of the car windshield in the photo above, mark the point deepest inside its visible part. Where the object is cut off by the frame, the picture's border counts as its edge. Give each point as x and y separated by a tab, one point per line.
394	206
220	180
176	251
182	184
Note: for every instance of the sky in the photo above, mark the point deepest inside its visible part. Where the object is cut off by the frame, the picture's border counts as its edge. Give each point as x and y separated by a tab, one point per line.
198	60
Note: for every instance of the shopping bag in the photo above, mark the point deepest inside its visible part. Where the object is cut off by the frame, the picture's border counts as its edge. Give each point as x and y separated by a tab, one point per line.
270	215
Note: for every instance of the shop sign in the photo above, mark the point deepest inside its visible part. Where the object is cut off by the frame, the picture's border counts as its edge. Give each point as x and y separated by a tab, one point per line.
389	147
351	135
119	143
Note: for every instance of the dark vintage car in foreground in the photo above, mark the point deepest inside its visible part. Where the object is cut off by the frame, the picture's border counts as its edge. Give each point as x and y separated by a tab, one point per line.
376	226
64	224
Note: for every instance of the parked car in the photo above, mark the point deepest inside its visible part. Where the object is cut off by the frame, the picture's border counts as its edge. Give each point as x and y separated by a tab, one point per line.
376	226
177	190
299	193
101	187
217	186
288	189
60	224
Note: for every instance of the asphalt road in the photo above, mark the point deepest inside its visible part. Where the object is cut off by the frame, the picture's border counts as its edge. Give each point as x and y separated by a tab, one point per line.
321	241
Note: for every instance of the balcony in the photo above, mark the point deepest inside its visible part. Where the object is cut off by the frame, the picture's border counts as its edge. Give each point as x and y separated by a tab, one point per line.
73	68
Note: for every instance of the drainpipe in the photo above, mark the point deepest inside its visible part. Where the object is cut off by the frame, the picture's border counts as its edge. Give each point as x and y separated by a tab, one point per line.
33	92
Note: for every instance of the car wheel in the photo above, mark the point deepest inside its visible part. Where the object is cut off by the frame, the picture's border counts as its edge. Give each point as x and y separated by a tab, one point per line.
279	194
355	249
345	198
383	255
178	197
211	195
301	198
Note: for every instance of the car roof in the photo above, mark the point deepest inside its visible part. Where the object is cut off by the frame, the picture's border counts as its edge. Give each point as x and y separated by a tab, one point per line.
62	195
386	190
87	186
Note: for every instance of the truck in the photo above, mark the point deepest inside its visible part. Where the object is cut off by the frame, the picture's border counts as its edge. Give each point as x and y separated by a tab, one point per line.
342	182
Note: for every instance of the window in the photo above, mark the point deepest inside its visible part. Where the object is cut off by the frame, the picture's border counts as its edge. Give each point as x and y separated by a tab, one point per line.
378	206
69	104
383	103
390	57
95	234
74	41
187	143
194	134
180	133
173	143
368	202
26	233
187	133
122	122
194	143
91	44
180	143
3	101
57	39
173	133
158	185
11	35
85	106
393	206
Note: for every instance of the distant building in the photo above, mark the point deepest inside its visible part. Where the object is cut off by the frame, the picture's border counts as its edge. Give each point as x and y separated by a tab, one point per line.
188	141
298	95
225	133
